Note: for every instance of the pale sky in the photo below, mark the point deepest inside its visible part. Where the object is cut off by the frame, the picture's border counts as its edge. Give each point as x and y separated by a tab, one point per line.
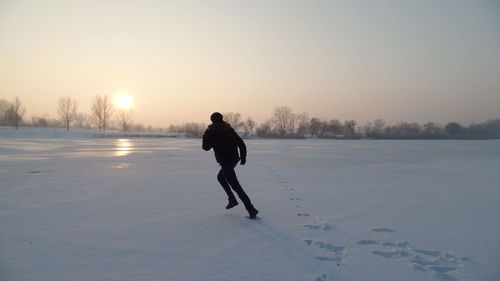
421	60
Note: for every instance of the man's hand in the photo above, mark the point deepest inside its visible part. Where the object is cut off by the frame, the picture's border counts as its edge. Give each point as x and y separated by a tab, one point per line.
243	160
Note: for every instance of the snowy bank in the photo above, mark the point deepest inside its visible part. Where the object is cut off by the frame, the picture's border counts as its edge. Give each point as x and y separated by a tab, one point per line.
137	135
36	132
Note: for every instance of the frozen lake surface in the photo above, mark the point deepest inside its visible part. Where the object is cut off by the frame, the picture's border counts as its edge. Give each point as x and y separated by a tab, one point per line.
151	209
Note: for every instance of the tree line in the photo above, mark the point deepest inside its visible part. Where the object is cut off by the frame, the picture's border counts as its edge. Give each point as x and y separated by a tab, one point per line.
284	123
103	115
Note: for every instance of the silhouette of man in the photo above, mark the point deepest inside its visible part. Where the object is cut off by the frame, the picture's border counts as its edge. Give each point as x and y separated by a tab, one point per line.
225	142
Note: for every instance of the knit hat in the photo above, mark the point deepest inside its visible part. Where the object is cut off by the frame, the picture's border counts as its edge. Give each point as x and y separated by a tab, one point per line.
216	117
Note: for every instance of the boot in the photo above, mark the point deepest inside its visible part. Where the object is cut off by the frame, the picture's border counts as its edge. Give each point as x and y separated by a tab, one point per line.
232	203
252	212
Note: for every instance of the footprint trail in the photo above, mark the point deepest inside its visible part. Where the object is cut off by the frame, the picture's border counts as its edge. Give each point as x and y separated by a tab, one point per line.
438	263
327	252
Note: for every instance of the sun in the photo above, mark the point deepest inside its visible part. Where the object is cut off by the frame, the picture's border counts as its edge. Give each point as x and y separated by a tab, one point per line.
123	101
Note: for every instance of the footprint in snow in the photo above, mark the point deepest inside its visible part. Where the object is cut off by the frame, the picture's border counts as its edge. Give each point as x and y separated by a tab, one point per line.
383	230
321	277
336	252
329	259
321	226
399	244
438	263
392	254
37	172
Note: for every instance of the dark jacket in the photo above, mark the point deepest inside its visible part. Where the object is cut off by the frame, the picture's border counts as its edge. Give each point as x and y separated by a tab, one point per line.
225	142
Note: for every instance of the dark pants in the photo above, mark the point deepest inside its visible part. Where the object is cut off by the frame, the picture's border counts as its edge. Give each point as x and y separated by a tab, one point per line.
227	178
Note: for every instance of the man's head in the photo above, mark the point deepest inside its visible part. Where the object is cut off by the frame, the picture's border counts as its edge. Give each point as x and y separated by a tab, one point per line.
216	117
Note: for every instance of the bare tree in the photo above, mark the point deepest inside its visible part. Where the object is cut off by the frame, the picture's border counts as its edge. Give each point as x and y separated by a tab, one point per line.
233	119
378	127
453	128
410	130
367	129
284	120
350	127
302	123
124	119
432	130
250	125
4	111
15	113
323	128
194	130
292	124
96	114
314	126
102	110
67	110
335	127
265	129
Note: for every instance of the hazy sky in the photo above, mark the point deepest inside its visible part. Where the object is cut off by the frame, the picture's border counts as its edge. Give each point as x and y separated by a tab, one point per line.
434	60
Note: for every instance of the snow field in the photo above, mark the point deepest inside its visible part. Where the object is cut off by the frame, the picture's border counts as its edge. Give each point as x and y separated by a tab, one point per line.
151	209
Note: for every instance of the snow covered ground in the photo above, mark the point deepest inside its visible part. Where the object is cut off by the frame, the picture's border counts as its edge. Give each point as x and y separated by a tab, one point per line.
83	208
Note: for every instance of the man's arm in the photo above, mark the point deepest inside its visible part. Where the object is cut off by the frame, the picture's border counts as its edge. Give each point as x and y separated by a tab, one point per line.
243	148
207	144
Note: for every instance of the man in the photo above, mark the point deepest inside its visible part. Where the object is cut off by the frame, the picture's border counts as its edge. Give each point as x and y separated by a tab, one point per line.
225	142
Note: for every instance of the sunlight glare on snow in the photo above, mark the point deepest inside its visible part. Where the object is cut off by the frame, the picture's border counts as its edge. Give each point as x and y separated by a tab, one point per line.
123	147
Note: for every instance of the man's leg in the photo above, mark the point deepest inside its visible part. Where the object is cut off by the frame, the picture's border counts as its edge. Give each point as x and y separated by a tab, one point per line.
222	180
230	175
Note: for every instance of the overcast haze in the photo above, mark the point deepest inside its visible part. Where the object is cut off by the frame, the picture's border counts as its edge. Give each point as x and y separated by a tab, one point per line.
181	60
